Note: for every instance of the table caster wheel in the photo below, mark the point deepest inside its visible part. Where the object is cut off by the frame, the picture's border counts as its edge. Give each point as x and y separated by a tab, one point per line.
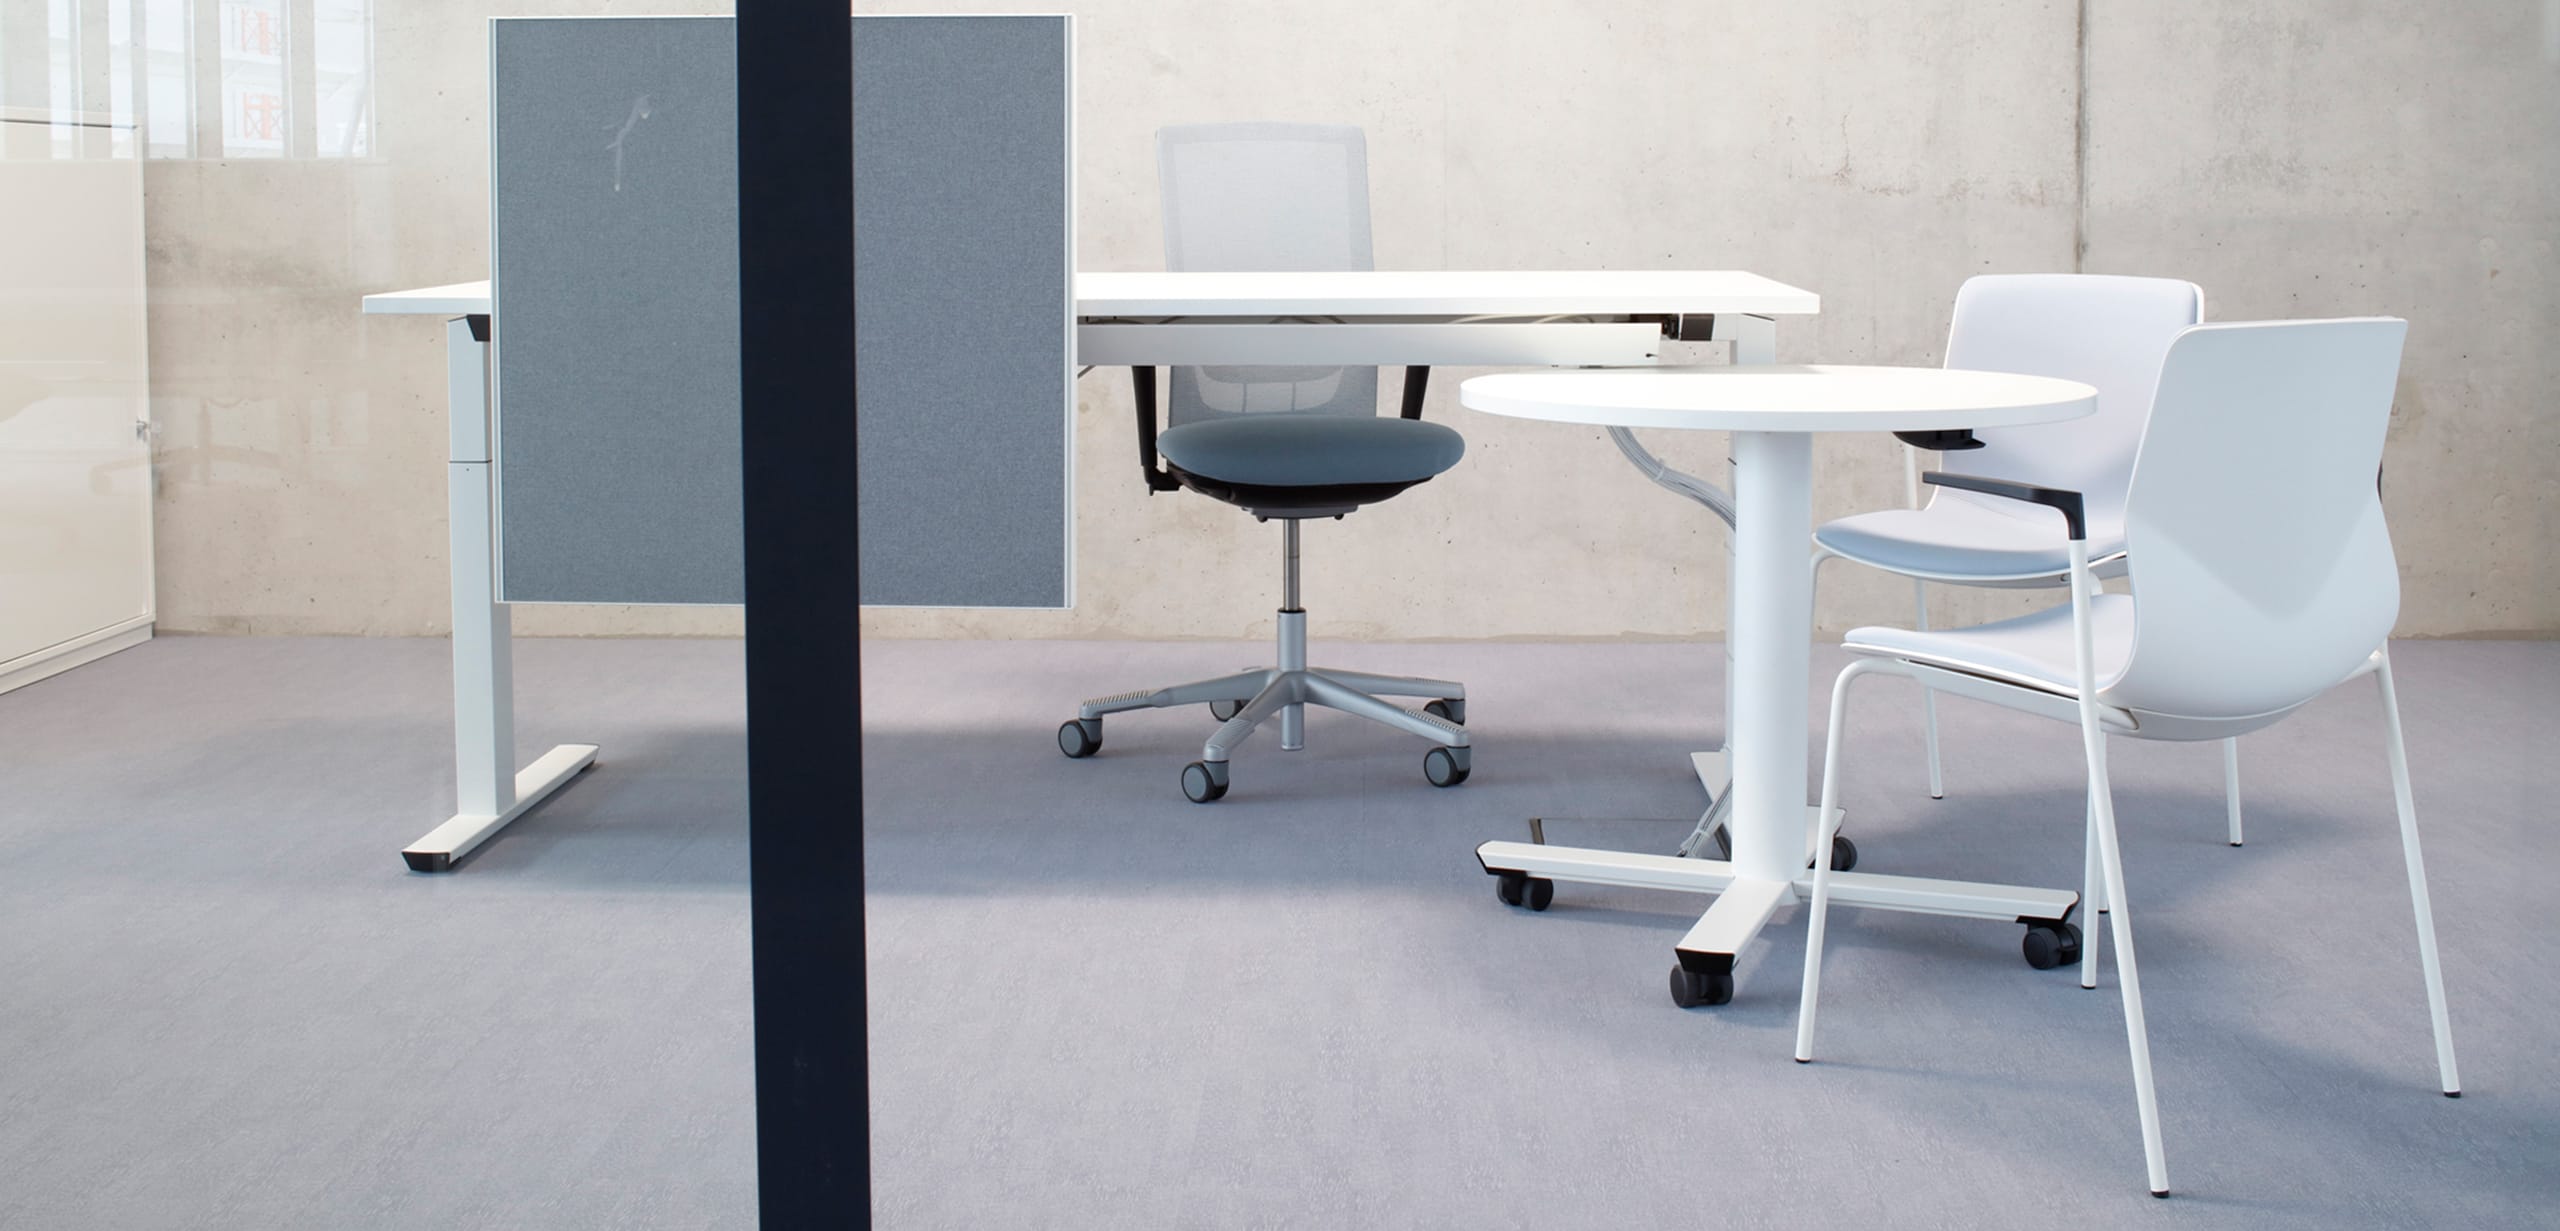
2048	945
1445	766
1205	782
1224	710
1510	887
1689	989
1080	737
1451	710
1540	894
1844	853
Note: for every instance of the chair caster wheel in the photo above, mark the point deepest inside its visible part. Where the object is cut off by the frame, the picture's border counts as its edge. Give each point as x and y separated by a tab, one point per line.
1844	853
1205	782
1445	766
1541	893
2048	945
1224	710
1510	887
1689	989
1451	710
1080	737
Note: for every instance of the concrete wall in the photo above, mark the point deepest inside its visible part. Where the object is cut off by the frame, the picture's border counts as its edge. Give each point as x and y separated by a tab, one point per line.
2298	158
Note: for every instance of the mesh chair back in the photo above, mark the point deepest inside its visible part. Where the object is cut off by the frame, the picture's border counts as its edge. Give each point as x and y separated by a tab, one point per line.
2262	573
2104	331
1265	197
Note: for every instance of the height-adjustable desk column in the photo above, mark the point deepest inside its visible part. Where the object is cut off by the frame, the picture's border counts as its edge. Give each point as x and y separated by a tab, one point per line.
488	790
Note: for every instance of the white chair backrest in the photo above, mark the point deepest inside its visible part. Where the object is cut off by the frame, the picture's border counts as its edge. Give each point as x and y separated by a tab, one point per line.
2261	570
2104	331
1265	197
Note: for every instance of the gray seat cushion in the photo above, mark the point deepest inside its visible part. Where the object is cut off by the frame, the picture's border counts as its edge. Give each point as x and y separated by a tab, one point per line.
1292	450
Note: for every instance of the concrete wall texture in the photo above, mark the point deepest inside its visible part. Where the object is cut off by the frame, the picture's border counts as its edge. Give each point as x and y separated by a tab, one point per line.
2295	157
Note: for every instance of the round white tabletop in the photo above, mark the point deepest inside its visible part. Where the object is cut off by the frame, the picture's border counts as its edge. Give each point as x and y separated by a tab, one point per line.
1781	398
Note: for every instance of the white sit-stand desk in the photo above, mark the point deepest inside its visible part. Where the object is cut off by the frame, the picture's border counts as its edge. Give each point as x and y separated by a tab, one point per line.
1388	318
1773	413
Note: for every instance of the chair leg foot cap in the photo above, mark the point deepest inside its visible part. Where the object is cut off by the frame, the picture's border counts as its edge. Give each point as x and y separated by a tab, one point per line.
2453	1094
2161	1193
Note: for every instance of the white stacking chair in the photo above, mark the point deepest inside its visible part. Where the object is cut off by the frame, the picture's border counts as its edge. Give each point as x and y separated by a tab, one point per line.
2262	576
2104	331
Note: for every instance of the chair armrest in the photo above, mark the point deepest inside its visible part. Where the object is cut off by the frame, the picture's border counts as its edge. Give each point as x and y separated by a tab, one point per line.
2067	502
1416	379
1944	440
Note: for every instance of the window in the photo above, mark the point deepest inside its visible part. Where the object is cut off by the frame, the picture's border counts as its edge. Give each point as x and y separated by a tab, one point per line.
197	78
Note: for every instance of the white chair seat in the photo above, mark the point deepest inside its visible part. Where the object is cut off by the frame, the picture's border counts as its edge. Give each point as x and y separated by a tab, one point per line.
2034	649
1954	537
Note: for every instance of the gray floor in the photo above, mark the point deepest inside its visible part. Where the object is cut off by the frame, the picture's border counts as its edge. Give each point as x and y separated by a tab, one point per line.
224	1004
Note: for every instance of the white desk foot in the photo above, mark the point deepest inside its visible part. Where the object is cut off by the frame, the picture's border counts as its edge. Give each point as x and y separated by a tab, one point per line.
534	783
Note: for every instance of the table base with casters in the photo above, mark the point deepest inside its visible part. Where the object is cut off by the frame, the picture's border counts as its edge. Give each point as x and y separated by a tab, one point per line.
1772	412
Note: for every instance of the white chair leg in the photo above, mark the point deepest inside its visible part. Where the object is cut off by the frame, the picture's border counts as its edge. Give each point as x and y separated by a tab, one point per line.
2093	896
2400	793
2231	784
1820	911
2137	1035
2102	806
1928	695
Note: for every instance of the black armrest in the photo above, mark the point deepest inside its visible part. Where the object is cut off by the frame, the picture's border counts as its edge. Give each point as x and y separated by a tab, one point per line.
1143	380
1946	440
1415	381
2049	497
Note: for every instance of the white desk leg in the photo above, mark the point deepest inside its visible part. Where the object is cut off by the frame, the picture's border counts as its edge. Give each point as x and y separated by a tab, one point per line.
1755	340
487	793
1772	652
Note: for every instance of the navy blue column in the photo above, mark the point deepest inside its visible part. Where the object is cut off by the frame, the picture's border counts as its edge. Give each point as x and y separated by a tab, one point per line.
804	689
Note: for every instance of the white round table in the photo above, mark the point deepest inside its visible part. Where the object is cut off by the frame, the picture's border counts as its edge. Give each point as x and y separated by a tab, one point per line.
1773	412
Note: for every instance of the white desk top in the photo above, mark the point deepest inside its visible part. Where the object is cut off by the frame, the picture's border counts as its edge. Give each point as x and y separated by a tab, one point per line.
1540	292
1537	292
458	299
1781	398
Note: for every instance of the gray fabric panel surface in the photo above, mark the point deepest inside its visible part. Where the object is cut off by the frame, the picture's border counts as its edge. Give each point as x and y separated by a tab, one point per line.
1312	450
614	227
618	346
961	296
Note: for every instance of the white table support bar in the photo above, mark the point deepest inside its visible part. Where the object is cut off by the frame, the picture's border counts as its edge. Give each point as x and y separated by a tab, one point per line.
1439	344
1962	899
1590	866
1737	915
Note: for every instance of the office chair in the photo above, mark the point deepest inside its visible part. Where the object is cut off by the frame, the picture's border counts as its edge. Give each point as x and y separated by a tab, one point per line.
2104	331
1282	443
2262	576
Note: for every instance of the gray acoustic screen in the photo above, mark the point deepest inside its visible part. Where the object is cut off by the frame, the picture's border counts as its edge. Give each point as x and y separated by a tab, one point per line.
963	303
614	234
